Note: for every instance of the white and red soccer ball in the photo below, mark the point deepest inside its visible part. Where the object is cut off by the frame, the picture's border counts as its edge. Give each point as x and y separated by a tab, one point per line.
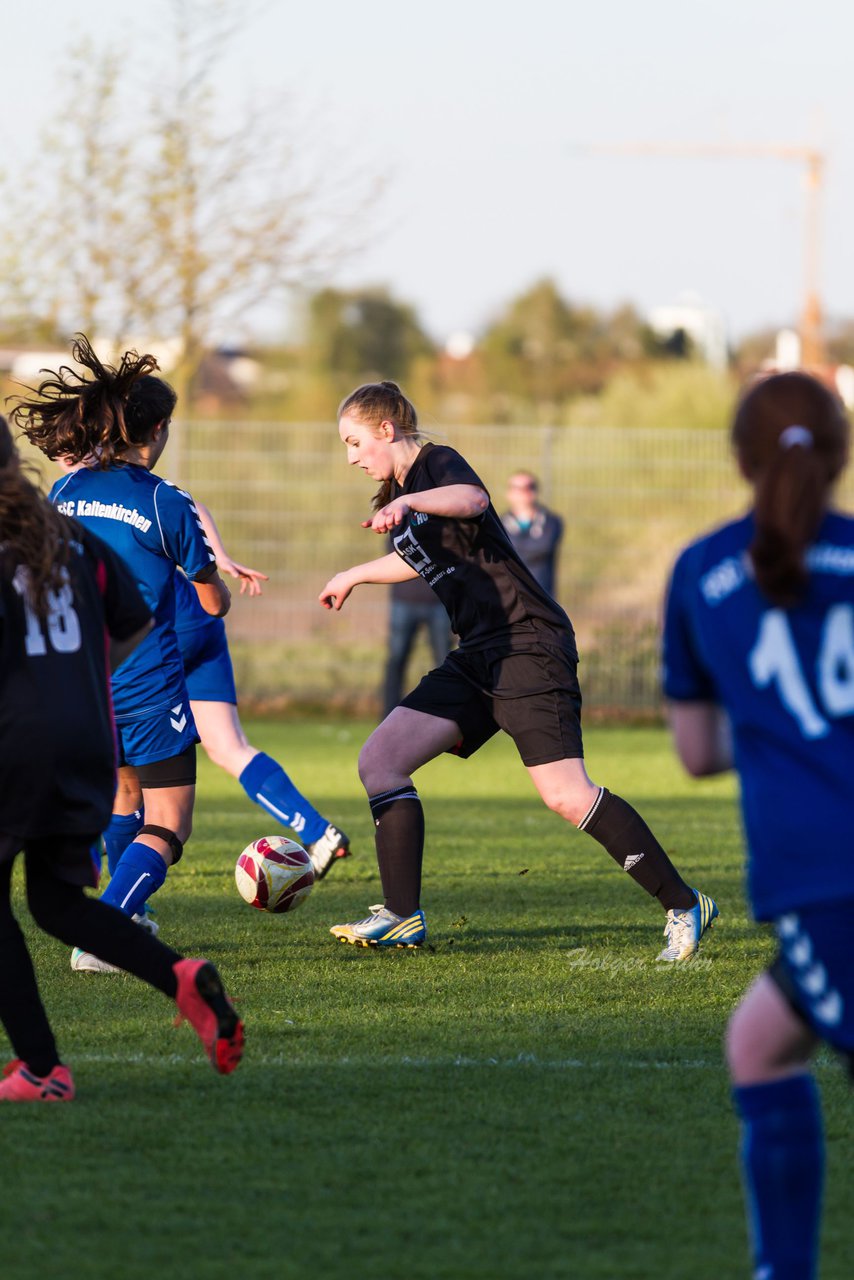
274	874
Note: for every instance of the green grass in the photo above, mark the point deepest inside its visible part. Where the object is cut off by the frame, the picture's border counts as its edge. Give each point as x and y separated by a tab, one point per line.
528	1096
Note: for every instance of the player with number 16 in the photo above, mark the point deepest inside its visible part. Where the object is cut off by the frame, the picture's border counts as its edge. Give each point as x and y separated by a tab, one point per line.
759	673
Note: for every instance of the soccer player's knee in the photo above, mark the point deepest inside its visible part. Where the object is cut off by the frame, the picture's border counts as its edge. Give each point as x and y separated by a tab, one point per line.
368	767
746	1059
222	756
572	805
176	845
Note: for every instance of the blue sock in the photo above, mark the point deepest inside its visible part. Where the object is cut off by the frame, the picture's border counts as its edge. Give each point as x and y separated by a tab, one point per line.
121	831
139	873
266	782
782	1157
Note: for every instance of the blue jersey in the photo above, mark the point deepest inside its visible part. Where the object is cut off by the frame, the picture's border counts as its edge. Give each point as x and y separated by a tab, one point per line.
154	527
189	614
204	648
786	680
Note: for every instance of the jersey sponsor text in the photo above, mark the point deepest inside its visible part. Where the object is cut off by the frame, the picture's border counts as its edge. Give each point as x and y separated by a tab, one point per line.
105	511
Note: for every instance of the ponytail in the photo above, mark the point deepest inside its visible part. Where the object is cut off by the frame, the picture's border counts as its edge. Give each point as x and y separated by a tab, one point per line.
789	504
791	436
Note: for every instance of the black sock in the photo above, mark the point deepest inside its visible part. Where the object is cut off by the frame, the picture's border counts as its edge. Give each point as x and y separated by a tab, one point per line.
622	831
64	911
399	821
21	1010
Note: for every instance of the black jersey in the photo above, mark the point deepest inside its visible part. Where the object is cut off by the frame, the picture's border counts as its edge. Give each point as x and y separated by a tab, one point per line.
490	595
57	740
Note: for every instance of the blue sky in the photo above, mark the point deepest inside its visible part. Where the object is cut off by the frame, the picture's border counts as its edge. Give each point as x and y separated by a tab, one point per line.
476	111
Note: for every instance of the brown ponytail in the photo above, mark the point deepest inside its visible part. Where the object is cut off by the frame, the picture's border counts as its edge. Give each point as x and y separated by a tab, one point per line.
377	402
100	416
791	436
33	535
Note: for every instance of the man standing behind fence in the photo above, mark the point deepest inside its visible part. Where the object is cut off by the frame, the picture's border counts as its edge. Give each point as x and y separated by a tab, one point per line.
534	530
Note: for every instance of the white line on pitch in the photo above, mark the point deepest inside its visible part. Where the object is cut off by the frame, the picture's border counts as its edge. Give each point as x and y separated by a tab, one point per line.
522	1060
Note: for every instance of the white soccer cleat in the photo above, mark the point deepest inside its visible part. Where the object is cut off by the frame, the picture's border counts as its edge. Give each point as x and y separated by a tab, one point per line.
325	851
85	962
146	921
684	929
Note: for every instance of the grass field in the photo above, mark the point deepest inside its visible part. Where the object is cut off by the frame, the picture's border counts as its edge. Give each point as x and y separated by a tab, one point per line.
529	1096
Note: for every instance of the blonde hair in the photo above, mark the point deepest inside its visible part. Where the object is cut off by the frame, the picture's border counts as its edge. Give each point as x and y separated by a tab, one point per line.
377	402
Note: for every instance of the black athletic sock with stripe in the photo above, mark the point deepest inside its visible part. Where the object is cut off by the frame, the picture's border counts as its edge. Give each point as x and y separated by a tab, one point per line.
399	821
622	831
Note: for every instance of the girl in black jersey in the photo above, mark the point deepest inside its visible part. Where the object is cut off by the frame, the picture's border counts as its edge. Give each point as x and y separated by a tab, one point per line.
515	669
63	592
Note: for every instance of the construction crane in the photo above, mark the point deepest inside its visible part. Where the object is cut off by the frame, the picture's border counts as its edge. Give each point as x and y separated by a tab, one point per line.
812	321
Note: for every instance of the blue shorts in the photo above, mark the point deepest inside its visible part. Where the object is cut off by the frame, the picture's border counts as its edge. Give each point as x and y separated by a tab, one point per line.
207	663
815	969
157	733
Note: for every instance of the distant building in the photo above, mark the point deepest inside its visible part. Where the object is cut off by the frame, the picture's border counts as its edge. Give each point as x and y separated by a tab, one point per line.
703	327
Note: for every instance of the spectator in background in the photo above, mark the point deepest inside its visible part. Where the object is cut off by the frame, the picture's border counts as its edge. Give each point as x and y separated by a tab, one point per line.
534	530
413	605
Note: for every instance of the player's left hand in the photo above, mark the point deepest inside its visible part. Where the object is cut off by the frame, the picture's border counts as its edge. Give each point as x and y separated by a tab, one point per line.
388	517
250	579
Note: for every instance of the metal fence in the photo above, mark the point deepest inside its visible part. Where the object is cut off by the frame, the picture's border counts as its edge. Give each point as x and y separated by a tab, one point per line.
286	502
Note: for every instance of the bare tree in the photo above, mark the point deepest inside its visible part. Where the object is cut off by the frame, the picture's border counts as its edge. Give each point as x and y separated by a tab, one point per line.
158	213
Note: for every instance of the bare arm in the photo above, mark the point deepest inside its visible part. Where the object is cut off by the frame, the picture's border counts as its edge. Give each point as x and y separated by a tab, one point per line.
456	501
702	737
214	596
249	578
387	569
121	649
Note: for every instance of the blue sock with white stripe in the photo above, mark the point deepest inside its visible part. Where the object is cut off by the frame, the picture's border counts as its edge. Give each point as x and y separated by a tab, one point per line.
266	782
119	834
139	873
782	1157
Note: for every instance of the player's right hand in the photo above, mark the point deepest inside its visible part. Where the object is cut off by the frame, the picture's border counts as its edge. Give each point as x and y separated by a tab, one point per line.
335	592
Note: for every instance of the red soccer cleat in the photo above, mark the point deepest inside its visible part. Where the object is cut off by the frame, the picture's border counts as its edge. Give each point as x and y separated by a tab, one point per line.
201	999
20	1085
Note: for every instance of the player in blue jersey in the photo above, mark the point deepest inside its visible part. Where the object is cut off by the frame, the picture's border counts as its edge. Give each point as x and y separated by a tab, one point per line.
515	670
759	673
67	605
212	696
121	416
211	690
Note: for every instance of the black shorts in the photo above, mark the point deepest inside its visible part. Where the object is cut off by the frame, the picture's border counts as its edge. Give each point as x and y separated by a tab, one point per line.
68	857
531	693
175	771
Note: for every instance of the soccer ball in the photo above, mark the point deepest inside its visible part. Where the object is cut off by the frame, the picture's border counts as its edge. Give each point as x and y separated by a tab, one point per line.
274	874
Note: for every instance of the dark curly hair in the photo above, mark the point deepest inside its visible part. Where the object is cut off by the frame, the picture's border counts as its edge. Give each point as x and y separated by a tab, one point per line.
99	414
